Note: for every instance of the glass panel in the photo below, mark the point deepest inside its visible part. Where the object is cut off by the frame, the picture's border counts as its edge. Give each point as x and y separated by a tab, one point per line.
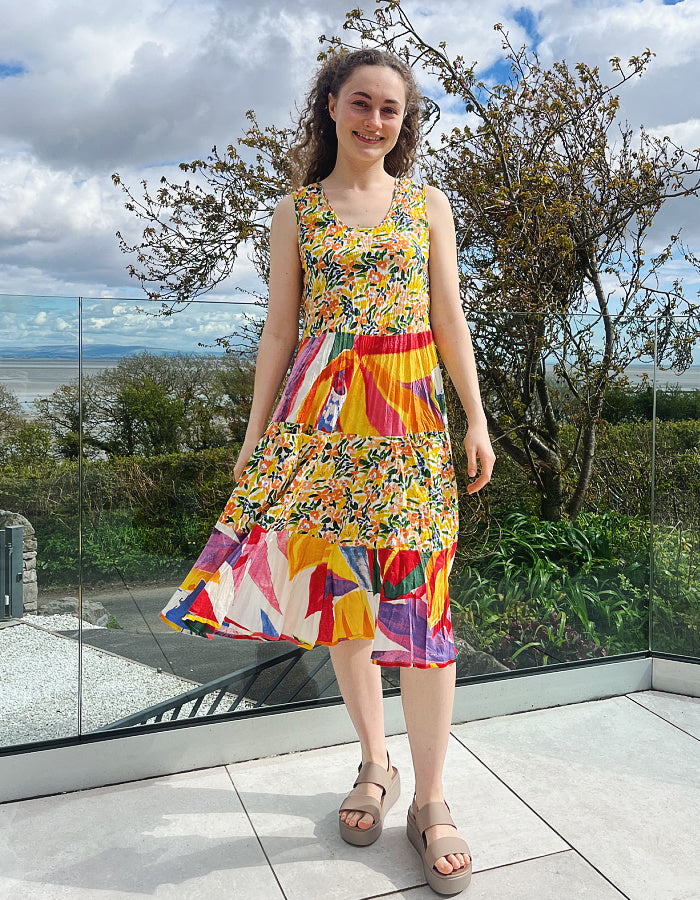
675	618
38	493
535	583
165	412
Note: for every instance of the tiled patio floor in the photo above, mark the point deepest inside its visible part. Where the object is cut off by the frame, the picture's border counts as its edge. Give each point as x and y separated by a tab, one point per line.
597	800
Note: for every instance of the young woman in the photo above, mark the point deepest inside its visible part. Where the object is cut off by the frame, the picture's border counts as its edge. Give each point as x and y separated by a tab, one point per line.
342	526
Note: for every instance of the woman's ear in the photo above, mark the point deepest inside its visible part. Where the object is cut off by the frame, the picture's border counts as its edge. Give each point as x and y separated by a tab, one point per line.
331	106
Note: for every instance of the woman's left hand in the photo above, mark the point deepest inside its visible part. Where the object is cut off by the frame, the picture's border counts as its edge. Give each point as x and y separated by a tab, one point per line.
477	445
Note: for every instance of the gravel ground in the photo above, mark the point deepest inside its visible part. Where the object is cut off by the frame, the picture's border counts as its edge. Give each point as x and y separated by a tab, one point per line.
39	683
57	623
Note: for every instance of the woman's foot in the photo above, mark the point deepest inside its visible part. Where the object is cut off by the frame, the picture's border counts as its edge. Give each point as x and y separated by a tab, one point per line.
361	820
376	789
453	862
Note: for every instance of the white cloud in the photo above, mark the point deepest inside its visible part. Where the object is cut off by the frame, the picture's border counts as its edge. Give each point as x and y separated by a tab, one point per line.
137	87
595	31
685	134
40	203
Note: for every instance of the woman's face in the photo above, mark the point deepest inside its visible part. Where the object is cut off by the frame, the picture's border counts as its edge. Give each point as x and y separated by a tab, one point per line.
368	111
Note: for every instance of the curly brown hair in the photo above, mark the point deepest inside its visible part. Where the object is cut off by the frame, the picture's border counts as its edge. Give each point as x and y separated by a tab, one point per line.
314	153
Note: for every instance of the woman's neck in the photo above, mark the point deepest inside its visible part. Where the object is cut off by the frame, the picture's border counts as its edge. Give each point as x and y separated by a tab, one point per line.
349	177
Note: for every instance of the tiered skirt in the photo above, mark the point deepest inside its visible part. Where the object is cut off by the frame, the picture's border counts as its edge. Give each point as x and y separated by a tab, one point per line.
343	523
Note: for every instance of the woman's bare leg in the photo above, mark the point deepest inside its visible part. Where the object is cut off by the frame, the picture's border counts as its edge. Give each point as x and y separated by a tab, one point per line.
360	683
427	696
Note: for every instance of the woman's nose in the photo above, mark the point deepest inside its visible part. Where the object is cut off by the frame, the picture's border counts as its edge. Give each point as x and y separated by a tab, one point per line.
373	117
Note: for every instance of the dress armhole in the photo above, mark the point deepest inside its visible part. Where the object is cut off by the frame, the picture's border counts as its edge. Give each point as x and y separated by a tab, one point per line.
422	210
296	196
423	203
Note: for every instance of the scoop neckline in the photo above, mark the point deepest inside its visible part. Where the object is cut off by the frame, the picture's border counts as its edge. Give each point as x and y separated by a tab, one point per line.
361	227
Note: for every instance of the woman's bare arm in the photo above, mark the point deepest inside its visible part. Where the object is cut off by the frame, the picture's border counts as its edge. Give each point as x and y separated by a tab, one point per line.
452	335
280	333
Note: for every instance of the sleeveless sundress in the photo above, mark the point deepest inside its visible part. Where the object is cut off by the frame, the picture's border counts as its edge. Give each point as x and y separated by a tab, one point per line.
344	521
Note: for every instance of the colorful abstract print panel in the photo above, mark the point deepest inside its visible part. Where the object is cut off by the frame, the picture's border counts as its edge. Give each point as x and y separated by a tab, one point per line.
344	521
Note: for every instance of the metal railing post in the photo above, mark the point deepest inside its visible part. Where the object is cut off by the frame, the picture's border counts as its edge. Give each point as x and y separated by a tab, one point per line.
11	565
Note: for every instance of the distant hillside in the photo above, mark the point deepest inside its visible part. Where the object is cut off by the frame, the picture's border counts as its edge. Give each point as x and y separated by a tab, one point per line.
96	352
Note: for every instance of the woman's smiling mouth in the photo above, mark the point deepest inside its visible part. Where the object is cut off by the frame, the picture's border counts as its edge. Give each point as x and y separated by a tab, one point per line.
368	139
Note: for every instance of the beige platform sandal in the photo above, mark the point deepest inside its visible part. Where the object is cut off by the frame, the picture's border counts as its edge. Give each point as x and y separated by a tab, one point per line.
417	822
358	800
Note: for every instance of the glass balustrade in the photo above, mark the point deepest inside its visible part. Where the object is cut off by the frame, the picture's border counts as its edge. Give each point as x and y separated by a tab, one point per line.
675	598
159	409
39	496
553	559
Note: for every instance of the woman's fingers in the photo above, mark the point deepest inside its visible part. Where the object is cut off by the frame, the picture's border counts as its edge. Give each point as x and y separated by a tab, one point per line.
475	486
478	453
240	465
472	468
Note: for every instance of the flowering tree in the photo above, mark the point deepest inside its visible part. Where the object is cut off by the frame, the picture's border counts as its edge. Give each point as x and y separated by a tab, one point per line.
553	200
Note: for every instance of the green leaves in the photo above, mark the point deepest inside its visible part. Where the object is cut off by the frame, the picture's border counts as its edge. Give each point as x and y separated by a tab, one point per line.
553	199
563	589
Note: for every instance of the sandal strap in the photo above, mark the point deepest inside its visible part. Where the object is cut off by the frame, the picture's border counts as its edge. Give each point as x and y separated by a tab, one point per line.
443	847
371	773
359	802
433	814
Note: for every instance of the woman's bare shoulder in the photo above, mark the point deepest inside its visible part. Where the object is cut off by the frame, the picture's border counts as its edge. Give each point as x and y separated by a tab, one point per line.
436	200
438	208
284	216
285	207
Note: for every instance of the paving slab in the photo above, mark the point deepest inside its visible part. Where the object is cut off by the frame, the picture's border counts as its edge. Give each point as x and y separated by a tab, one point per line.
293	804
621	785
546	878
682	711
180	837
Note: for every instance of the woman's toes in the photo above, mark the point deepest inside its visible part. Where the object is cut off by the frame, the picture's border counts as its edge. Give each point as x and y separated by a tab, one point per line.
356	819
443	866
451	863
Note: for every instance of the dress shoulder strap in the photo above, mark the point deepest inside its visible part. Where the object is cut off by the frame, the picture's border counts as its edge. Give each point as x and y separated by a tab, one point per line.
410	203
310	210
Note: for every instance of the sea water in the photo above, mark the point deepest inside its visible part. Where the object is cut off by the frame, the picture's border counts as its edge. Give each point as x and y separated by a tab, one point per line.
30	379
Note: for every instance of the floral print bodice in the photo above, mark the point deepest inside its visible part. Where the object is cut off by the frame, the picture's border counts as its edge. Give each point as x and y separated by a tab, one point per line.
364	280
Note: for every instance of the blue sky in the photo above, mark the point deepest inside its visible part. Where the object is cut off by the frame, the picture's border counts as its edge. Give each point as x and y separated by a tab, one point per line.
49	326
11	70
89	89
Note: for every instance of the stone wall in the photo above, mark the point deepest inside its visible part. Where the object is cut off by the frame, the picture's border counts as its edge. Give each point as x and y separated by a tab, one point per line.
30	590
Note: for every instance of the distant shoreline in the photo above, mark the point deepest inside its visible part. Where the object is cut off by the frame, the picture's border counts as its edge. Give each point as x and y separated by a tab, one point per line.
98	353
33	377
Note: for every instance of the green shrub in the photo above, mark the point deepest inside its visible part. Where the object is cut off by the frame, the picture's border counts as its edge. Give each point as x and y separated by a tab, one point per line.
585	583
675	617
114	548
536	592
